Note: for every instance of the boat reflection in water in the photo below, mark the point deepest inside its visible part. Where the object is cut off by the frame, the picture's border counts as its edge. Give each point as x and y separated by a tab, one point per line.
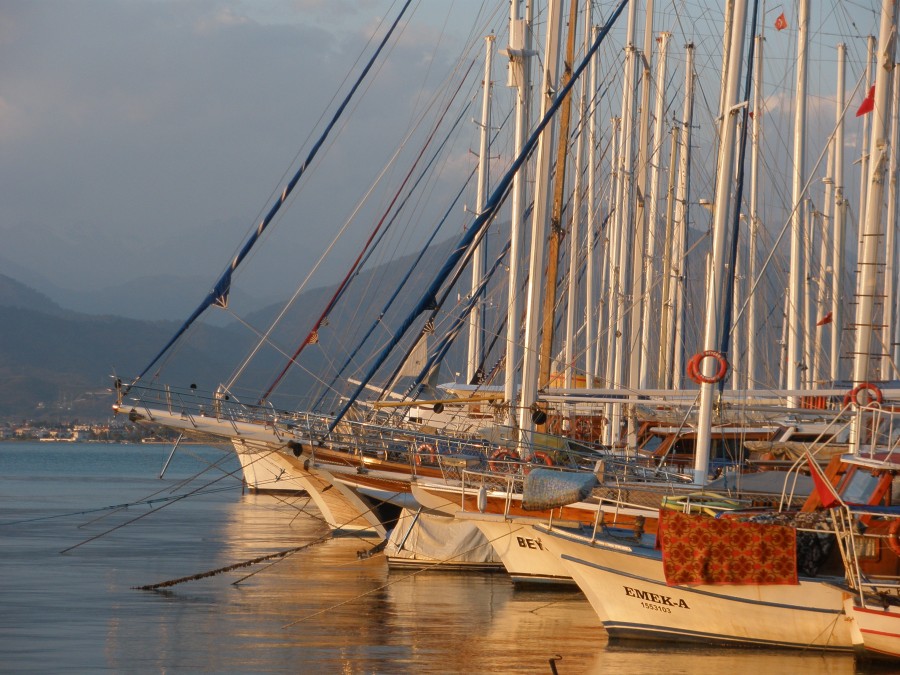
327	608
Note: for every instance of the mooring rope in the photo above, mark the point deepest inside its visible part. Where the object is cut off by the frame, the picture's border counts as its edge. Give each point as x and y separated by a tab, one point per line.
173	500
150	499
277	557
228	568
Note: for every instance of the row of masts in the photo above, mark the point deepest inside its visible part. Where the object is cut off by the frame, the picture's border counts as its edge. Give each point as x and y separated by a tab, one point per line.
640	274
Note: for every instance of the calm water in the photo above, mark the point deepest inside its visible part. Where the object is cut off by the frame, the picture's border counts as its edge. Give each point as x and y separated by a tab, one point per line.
321	609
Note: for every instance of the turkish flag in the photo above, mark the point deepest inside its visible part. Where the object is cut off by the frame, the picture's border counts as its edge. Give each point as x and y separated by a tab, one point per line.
868	104
780	22
828	318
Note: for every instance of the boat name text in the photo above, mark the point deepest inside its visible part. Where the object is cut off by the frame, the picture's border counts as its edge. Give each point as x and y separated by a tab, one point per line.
653	597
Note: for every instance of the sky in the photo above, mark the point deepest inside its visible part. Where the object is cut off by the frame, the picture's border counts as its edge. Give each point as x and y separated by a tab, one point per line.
143	139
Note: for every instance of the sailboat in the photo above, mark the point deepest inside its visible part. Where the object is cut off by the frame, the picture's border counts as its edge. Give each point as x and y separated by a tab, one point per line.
372	461
302	446
740	582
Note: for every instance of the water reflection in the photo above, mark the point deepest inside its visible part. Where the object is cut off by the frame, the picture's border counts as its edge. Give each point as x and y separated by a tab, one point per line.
322	609
325	608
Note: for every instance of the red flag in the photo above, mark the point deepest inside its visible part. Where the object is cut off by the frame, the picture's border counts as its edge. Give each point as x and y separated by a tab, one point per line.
780	22
828	318
827	494
868	104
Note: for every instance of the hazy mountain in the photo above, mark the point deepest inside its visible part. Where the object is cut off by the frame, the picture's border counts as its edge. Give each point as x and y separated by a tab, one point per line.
16	294
58	363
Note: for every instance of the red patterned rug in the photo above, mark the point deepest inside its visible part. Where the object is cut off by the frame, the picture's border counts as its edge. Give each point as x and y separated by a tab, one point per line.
703	550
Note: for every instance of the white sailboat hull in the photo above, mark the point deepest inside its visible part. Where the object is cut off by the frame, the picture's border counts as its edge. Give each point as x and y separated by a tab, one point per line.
267	467
526	553
876	631
258	446
627	588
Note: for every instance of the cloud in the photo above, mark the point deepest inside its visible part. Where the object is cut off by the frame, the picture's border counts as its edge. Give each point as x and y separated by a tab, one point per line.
143	137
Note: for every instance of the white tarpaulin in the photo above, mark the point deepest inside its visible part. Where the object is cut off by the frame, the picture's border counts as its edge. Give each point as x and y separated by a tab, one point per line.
427	539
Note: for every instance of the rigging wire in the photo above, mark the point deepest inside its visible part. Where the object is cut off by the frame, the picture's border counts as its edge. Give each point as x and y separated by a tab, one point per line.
479	225
221	289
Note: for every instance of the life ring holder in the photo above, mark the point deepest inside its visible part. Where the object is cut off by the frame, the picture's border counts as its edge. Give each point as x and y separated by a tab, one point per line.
874	394
693	367
498	456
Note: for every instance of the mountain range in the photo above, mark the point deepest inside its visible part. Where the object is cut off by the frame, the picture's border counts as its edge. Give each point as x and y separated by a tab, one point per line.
58	364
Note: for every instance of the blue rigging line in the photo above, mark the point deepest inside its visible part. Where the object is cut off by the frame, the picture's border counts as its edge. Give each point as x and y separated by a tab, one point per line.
397	290
429	298
219	294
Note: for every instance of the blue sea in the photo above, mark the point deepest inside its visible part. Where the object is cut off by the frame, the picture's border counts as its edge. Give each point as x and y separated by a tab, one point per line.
84	525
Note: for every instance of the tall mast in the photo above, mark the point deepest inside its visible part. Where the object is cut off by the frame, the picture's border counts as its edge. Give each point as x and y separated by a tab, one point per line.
837	238
575	219
539	223
667	300
795	283
590	271
890	360
559	191
825	259
624	219
726	50
809	226
682	213
715	282
864	156
822	287
653	211
872	232
519	53
475	316
755	139
639	330
611	270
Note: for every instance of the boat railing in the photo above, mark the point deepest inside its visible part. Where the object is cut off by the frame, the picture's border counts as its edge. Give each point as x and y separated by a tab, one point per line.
192	404
855	543
416	448
879	432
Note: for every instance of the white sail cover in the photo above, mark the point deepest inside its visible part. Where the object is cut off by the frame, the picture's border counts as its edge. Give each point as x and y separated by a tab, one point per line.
429	539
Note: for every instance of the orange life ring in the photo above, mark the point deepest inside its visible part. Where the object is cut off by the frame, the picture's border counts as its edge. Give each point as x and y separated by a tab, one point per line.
543	457
894	537
425	454
853	395
696	374
499	456
691	369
